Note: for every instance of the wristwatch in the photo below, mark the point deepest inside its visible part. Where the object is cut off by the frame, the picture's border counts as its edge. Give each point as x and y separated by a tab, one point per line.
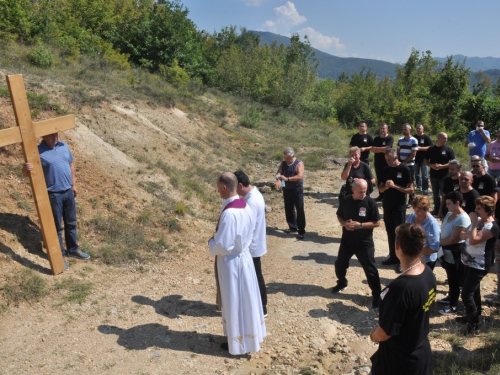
360	225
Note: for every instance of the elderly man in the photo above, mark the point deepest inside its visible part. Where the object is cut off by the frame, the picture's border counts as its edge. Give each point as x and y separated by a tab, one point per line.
242	315
60	177
355	168
483	182
381	143
258	246
407	150
468	192
363	140
477	140
451	183
358	215
396	183
437	158
421	173
290	178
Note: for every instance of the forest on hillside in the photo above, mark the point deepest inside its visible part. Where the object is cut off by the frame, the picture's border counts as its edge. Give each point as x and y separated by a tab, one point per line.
160	37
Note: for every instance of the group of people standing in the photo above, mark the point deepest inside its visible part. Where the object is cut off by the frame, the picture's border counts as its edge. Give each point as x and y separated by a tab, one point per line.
465	201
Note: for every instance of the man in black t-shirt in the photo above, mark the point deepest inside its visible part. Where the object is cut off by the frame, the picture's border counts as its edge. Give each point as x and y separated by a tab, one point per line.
483	182
358	215
396	182
421	173
451	183
355	168
364	141
438	158
381	143
468	192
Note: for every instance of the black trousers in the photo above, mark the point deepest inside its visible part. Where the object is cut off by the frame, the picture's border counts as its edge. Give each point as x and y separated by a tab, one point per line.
294	209
393	218
366	257
455	274
412	173
262	283
471	293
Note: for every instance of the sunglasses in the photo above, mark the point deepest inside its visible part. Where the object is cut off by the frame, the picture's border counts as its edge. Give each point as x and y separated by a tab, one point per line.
476	166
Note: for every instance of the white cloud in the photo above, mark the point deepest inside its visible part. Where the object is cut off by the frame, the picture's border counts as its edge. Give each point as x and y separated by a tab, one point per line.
253	3
329	44
286	17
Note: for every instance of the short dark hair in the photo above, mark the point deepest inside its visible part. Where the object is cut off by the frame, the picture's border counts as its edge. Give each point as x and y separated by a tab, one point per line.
411	239
242	178
454	196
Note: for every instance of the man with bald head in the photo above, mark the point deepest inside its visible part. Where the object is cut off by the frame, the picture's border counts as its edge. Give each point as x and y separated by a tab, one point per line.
437	158
358	215
468	192
241	306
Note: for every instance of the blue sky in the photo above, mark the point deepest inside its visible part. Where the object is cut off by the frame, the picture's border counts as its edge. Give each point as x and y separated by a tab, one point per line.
383	30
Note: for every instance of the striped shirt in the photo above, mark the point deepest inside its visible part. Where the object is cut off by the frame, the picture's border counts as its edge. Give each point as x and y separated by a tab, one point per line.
405	147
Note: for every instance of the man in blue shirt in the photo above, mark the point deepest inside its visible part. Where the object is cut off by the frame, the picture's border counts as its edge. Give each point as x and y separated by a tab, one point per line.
407	150
60	178
477	141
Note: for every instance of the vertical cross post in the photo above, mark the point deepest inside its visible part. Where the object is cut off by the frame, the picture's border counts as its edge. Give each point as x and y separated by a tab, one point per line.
27	133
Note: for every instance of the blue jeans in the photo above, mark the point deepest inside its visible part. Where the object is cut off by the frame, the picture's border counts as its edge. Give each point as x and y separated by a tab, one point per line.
64	210
422	176
495	173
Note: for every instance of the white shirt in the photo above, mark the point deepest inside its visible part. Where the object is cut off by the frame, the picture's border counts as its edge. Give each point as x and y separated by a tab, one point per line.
258	246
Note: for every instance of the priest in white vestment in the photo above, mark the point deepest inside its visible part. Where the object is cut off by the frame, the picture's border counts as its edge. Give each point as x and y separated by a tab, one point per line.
242	315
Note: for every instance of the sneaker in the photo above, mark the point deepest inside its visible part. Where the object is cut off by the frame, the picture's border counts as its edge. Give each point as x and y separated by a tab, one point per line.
448	310
444	301
461	319
390	261
376	302
408	205
300	236
338	288
398	269
79	254
291	230
66	265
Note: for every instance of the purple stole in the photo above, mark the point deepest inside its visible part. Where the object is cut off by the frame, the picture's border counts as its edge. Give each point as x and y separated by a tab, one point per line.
237	203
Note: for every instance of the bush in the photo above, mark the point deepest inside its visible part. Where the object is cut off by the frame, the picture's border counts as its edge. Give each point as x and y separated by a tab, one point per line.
41	56
251	119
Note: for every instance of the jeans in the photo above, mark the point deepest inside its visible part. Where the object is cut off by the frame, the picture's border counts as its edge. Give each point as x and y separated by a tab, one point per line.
64	210
471	293
262	283
495	174
392	218
421	176
366	257
294	202
437	191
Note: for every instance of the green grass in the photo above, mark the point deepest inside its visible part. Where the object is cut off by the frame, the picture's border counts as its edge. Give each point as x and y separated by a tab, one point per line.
27	286
75	290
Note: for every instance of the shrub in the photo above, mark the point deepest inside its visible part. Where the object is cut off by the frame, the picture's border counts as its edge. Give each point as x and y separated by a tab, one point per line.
28	287
251	119
41	56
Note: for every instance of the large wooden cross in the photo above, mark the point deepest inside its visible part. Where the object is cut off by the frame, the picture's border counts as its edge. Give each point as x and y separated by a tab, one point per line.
26	132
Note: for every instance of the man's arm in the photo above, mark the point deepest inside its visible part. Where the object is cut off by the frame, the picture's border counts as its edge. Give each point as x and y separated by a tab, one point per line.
27	167
410	157
407	190
300	173
355	225
486	137
73	179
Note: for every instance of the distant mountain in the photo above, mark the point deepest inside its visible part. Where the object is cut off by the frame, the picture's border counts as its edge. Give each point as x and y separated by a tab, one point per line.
333	66
475	64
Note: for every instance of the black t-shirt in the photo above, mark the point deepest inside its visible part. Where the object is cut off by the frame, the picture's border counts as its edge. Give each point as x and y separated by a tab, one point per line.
363	211
468	204
365	140
485	185
404	315
379	157
439	155
423	141
363	171
449	185
401	175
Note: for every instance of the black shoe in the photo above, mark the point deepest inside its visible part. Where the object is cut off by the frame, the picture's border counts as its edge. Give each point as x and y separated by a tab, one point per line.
390	261
300	237
444	301
338	288
224	346
398	269
376	301
380	198
291	230
461	319
471	329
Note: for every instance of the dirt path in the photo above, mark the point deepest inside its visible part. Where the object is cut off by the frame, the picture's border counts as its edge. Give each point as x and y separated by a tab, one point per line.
161	319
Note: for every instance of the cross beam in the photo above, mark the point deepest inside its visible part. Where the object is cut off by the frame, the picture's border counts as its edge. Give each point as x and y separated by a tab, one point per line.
26	132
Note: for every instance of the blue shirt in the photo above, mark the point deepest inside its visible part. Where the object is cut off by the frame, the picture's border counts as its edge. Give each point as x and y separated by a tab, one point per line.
477	138
432	235
56	166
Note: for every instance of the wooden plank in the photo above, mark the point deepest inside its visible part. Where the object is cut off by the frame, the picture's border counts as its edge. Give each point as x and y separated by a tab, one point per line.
30	149
10	136
54	125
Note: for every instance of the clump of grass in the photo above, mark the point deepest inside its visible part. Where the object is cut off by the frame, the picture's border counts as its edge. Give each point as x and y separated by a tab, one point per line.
181	208
146	217
24	287
173	225
24	205
117	231
76	290
114	256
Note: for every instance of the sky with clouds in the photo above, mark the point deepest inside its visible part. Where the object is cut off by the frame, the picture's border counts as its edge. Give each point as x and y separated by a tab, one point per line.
383	30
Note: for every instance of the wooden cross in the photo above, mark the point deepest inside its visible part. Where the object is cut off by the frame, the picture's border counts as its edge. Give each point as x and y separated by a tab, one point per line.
26	132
